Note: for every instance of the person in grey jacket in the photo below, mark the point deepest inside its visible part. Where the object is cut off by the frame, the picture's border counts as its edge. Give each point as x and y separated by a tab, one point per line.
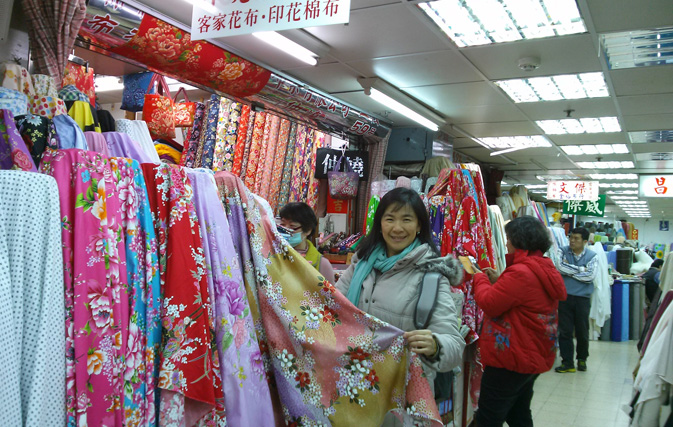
387	271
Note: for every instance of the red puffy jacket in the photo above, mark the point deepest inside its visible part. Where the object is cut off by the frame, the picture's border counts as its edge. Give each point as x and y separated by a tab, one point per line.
521	313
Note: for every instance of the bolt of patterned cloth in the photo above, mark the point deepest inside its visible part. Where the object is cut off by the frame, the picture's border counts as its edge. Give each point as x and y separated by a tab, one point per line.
329	362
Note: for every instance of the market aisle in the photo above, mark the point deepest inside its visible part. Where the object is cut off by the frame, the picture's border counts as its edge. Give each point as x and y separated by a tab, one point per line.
588	399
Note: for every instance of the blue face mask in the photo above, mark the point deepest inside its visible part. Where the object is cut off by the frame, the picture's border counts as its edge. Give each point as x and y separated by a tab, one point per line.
295	239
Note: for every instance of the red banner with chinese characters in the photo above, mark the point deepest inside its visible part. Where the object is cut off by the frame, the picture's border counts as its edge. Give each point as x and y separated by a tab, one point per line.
337	206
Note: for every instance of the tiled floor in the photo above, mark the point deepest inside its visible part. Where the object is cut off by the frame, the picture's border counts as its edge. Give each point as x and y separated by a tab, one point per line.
593	398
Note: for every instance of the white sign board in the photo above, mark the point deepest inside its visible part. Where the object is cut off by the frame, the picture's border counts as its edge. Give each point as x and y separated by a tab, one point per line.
656	186
572	190
223	18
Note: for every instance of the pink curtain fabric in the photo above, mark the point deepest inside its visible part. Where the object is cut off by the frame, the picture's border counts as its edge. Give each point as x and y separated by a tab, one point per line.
53	26
267	171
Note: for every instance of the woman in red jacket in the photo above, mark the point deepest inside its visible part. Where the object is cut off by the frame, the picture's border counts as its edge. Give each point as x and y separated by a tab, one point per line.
519	336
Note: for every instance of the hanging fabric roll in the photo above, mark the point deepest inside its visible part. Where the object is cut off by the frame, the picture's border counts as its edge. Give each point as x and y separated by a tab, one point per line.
13	151
221	133
255	147
190	385
314	183
96	299
309	155
140	133
270	158
231	136
193	137
242	134
121	145
248	143
210	133
198	159
278	163
38	133
142	257
310	353
69	133
32	304
96	142
264	152
244	381
288	163
298	163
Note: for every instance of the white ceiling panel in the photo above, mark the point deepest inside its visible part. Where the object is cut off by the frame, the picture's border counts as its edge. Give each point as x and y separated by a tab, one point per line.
648	122
378	32
330	78
459	94
558	55
622	15
643	81
422	69
482	113
646	104
480	130
651	147
367	104
555	110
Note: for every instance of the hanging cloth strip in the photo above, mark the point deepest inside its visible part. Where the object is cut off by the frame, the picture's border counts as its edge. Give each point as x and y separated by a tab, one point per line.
13	151
193	137
314	183
263	153
279	163
32	306
284	193
255	146
267	168
309	354
140	134
248	143
298	162
121	145
210	133
38	133
95	279
231	136
241	137
221	133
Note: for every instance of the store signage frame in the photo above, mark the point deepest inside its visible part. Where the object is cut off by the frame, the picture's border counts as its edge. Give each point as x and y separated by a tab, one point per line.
585	207
659	186
573	190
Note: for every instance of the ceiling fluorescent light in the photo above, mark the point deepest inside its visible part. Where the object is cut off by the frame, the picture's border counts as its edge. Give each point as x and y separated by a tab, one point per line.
613	176
624	197
388	95
479	22
507	142
579	150
638	48
507	150
606	165
574	126
288	46
651	136
553	88
622	192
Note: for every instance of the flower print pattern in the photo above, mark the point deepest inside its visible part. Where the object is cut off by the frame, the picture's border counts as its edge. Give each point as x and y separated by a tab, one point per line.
13	151
266	169
255	147
241	137
95	286
326	372
314	183
232	135
194	134
248	144
221	133
278	163
298	163
284	192
37	132
210	133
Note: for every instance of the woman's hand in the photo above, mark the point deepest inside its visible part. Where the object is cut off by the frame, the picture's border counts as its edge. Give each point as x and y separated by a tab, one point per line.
421	342
492	274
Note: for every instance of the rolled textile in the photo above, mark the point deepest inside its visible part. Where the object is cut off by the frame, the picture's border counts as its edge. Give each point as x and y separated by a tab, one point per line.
96	142
284	192
241	135
270	158
279	163
121	145
140	133
69	133
255	146
221	133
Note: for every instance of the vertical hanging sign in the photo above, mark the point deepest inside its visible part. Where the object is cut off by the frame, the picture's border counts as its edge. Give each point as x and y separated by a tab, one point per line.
223	18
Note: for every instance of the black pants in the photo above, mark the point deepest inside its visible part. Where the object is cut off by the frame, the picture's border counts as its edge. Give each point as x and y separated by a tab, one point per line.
573	319
505	397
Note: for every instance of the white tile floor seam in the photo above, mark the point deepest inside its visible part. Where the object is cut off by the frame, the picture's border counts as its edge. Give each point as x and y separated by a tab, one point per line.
588	399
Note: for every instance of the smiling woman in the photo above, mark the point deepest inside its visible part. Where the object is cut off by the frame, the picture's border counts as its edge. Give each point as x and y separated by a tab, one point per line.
386	274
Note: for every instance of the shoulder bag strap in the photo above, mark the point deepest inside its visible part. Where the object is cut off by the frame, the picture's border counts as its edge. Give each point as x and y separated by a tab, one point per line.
427	299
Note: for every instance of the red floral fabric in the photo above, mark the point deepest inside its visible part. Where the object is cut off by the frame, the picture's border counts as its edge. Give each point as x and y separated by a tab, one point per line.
255	146
82	79
269	159
278	163
164	47
242	134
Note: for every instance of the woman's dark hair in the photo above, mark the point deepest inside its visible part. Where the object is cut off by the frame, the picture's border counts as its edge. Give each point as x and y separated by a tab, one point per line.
657	263
582	231
397	198
528	233
302	214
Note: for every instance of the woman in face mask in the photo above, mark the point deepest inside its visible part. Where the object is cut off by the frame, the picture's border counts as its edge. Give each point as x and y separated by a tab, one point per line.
301	220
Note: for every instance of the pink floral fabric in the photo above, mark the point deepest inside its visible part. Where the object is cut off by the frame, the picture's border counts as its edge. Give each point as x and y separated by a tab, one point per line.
97	311
270	158
279	163
222	122
255	147
298	162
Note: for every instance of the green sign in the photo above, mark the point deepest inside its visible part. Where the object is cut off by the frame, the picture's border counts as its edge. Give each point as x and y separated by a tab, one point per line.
585	207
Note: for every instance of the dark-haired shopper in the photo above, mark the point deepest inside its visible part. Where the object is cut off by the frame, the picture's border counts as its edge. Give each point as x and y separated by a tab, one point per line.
518	339
301	220
578	266
386	273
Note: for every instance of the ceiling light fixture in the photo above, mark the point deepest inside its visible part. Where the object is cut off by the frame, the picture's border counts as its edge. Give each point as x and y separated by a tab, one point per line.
651	136
516	142
581	150
638	48
479	22
600	176
622	192
587	125
618	185
288	46
554	88
624	197
606	165
392	98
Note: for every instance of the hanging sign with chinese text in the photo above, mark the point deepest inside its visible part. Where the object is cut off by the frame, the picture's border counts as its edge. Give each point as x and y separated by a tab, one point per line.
326	159
572	190
656	186
585	207
223	18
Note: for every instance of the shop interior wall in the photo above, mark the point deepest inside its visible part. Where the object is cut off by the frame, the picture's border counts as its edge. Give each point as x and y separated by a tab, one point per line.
648	231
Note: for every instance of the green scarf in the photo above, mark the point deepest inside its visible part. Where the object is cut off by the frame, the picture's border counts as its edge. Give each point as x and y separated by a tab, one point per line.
376	260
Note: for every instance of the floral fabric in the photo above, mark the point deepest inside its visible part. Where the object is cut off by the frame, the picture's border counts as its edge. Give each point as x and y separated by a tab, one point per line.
241	138
14	101
263	154
164	47
298	162
330	362
82	78
284	192
202	136
210	129
13	151
232	135
247	397
17	78
222	123
95	278
193	136
279	163
142	268
187	374
255	147
270	157
38	133
314	183
248	144
47	106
